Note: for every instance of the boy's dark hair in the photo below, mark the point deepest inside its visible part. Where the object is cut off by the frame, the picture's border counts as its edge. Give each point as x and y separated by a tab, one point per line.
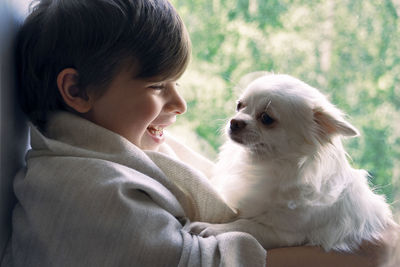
95	37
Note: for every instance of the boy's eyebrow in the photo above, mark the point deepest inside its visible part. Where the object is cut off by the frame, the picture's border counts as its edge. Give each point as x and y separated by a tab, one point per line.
158	80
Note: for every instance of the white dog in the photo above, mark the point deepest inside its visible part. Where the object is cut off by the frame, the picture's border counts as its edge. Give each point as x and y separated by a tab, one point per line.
285	170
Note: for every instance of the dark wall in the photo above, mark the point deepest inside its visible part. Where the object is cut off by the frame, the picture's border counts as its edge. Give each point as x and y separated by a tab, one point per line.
13	128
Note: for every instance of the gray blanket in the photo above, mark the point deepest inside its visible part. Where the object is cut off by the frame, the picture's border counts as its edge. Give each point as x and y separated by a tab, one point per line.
89	197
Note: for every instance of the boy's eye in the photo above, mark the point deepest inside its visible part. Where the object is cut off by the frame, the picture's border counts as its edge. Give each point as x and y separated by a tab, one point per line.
161	86
157	86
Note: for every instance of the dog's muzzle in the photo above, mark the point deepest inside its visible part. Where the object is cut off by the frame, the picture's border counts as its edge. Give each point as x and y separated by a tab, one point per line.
237	125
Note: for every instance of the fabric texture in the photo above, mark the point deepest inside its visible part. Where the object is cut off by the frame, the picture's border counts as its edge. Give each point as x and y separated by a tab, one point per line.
88	197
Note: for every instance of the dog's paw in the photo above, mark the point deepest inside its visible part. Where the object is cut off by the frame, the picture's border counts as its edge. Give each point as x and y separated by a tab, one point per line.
205	229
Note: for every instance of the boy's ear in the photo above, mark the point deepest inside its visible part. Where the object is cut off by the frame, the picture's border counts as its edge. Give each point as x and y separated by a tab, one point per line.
67	83
331	124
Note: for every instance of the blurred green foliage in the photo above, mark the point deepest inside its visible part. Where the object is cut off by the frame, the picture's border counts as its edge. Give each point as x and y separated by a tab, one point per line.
348	49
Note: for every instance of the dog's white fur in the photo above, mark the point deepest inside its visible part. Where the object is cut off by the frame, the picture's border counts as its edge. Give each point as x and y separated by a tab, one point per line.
289	177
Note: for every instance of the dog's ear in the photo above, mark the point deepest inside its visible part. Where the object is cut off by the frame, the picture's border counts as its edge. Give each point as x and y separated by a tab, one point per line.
331	123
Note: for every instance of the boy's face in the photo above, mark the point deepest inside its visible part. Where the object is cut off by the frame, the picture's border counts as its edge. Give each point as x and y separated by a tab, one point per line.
137	109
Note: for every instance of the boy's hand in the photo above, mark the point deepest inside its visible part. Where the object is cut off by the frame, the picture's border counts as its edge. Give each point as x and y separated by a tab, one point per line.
370	254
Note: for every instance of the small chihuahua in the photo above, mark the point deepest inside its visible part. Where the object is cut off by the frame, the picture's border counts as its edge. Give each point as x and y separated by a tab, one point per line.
285	170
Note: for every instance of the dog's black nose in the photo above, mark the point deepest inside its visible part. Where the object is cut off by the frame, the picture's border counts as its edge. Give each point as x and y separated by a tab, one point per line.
237	125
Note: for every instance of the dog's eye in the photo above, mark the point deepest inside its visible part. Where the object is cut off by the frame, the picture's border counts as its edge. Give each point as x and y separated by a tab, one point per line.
266	119
239	106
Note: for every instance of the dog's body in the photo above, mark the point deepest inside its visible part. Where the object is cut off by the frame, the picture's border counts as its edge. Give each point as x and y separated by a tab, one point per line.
285	170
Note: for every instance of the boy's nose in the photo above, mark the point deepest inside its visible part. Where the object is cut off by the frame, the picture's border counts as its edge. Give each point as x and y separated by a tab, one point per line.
176	103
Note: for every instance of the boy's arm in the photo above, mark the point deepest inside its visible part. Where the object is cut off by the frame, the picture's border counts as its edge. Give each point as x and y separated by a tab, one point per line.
111	215
316	257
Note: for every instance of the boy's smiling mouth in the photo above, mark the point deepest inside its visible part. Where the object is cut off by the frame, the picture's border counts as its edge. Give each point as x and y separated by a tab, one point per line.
156	131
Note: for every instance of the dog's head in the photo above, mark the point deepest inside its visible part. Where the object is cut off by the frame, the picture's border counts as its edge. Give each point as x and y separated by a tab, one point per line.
279	116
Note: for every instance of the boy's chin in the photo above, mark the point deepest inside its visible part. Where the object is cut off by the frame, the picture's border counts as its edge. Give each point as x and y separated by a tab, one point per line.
151	143
150	147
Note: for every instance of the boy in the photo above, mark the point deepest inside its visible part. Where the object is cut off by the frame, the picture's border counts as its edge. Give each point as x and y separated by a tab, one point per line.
98	79
98	82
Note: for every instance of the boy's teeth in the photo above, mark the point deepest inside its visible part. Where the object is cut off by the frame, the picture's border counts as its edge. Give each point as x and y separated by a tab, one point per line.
156	130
